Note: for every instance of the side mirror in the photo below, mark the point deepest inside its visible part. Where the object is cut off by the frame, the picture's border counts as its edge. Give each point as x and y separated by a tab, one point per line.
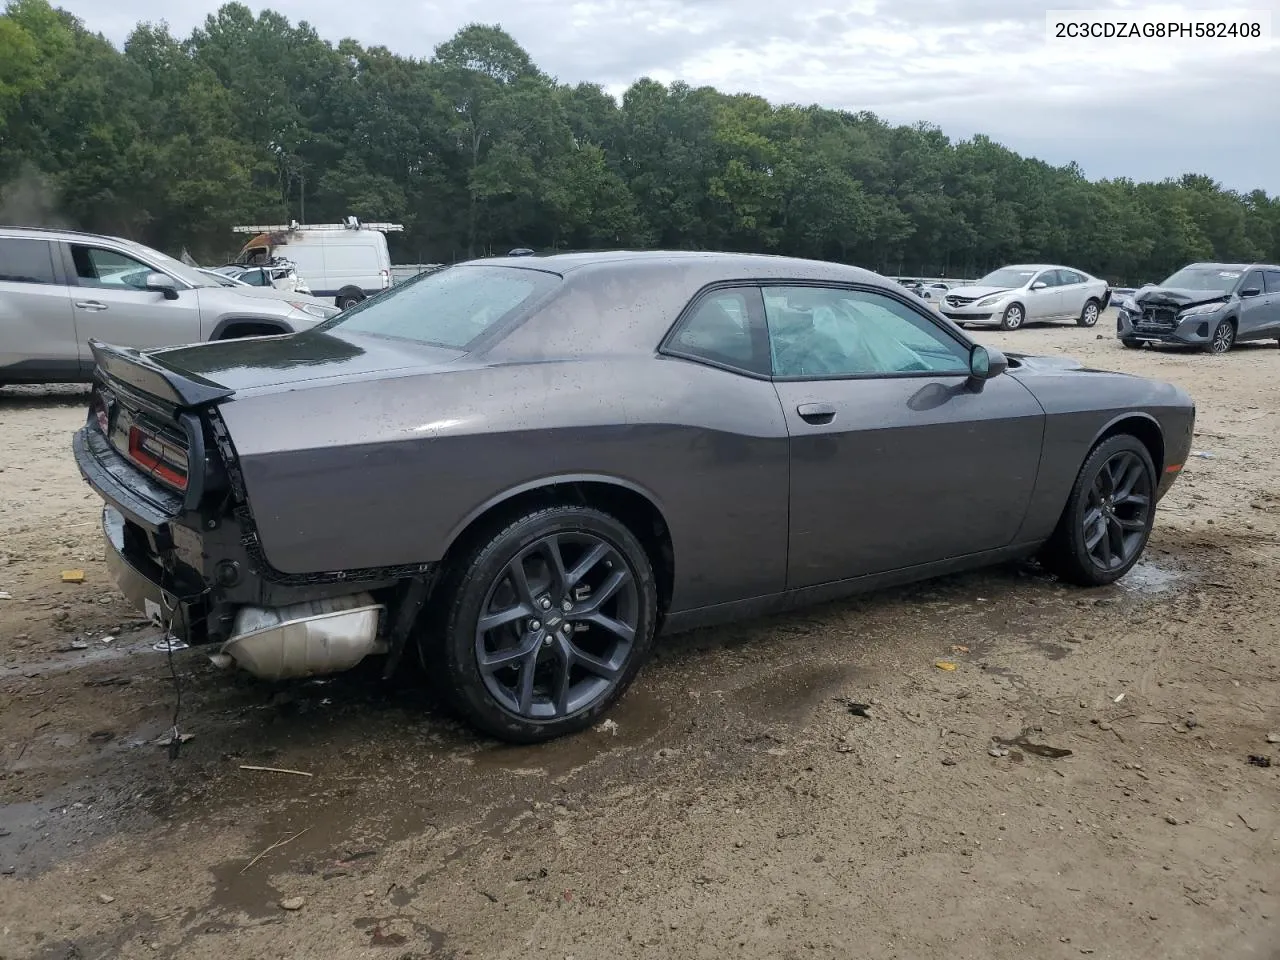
1039	285
985	363
162	283
1250	292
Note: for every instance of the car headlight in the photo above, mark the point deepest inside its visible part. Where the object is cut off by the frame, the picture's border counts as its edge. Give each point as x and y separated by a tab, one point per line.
991	301
317	310
1129	304
1201	309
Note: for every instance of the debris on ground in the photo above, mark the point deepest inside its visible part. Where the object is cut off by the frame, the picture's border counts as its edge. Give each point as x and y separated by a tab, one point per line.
1204	454
609	727
292	903
959	648
1273	738
73	646
106	898
113	681
1039	749
73	576
1259	761
167	739
945	665
5	595
1170	819
855	708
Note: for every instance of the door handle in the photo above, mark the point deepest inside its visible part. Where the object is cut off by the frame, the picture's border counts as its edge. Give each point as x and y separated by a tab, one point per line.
91	305
816	413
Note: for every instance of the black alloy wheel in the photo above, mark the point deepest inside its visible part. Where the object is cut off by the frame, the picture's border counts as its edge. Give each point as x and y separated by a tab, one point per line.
1108	517
549	621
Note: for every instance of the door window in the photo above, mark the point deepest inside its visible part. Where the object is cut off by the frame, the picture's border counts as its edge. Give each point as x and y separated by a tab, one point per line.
817	332
25	261
1050	278
1273	280
724	330
1252	281
97	267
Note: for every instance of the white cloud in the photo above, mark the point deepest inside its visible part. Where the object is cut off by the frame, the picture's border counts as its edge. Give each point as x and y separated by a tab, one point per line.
1144	109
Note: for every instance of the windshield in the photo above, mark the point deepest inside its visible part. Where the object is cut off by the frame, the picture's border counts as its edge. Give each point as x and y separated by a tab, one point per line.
448	308
1216	279
1007	277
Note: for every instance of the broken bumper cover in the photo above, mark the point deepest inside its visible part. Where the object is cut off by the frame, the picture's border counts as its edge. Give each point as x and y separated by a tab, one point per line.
1191	331
140	579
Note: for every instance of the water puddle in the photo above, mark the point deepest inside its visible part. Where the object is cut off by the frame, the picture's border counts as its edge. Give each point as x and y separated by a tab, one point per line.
1148	577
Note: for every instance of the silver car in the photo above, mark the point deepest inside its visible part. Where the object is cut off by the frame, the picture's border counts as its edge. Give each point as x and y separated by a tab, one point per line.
59	289
1022	293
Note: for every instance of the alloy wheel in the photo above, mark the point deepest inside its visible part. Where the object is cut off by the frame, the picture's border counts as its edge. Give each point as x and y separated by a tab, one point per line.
1118	511
1013	318
557	626
1090	314
1223	337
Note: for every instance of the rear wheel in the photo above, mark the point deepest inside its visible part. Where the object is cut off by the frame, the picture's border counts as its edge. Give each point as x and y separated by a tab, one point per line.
1131	343
1089	315
348	297
1013	317
543	624
1108	518
1223	339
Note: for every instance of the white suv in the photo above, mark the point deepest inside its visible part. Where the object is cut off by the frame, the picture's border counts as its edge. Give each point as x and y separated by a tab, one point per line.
59	289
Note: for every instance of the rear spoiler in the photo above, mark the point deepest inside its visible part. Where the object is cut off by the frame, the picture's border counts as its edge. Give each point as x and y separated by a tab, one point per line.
142	372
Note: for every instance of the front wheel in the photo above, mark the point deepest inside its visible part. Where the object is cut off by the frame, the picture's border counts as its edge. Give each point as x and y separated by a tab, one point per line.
544	624
1108	517
1223	339
1089	315
1013	317
1131	343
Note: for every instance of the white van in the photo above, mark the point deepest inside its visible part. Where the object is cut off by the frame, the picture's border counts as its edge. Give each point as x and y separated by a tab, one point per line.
346	261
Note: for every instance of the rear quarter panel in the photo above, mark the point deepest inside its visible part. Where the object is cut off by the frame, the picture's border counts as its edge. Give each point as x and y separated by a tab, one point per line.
1082	405
389	471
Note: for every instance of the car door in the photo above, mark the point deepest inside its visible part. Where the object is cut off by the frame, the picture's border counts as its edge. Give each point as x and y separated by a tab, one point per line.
112	304
1255	307
37	327
1073	291
1043	304
897	459
1271	280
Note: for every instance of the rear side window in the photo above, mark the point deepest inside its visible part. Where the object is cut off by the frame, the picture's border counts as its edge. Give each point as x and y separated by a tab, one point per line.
1273	280
26	261
724	329
1070	277
450	308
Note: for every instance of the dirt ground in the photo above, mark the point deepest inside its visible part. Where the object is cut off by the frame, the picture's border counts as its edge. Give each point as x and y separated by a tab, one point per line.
737	809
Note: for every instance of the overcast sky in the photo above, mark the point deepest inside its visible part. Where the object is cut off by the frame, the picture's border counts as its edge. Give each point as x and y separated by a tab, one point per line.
1140	109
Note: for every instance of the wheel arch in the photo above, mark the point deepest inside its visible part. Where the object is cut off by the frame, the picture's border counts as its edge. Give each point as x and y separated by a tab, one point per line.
1144	427
266	326
633	505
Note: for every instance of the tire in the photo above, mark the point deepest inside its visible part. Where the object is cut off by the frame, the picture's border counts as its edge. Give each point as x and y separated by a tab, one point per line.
1014	317
1131	343
1089	315
1122	463
346	299
495	698
1223	337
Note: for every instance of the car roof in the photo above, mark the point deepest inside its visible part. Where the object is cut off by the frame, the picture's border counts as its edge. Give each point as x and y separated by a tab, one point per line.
54	233
1232	266
731	265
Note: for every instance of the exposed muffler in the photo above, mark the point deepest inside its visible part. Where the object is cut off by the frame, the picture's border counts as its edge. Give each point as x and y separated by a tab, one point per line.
304	639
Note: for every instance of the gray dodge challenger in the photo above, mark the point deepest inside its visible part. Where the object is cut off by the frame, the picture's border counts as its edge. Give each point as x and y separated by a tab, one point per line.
522	469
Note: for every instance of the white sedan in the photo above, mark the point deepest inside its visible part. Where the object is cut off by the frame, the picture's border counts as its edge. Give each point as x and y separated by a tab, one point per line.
1028	293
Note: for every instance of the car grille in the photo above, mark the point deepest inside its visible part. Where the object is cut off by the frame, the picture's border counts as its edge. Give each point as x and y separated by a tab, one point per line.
955	301
1156	319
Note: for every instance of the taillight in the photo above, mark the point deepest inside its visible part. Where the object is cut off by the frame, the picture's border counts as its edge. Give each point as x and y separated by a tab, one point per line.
386	278
166	462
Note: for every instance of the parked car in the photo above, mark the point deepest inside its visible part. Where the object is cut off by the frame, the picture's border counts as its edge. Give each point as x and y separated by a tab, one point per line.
278	273
527	467
345	262
1209	305
59	289
1014	295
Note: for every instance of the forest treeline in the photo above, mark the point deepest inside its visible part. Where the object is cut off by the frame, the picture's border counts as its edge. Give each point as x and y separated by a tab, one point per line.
253	119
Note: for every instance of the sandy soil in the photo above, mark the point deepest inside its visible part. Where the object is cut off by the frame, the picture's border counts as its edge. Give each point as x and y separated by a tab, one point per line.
738	809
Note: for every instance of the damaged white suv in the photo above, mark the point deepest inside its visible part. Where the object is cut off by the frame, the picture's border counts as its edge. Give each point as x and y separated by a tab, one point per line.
59	289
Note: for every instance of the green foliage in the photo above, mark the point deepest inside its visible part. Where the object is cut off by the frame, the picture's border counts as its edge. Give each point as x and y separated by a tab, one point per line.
254	119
